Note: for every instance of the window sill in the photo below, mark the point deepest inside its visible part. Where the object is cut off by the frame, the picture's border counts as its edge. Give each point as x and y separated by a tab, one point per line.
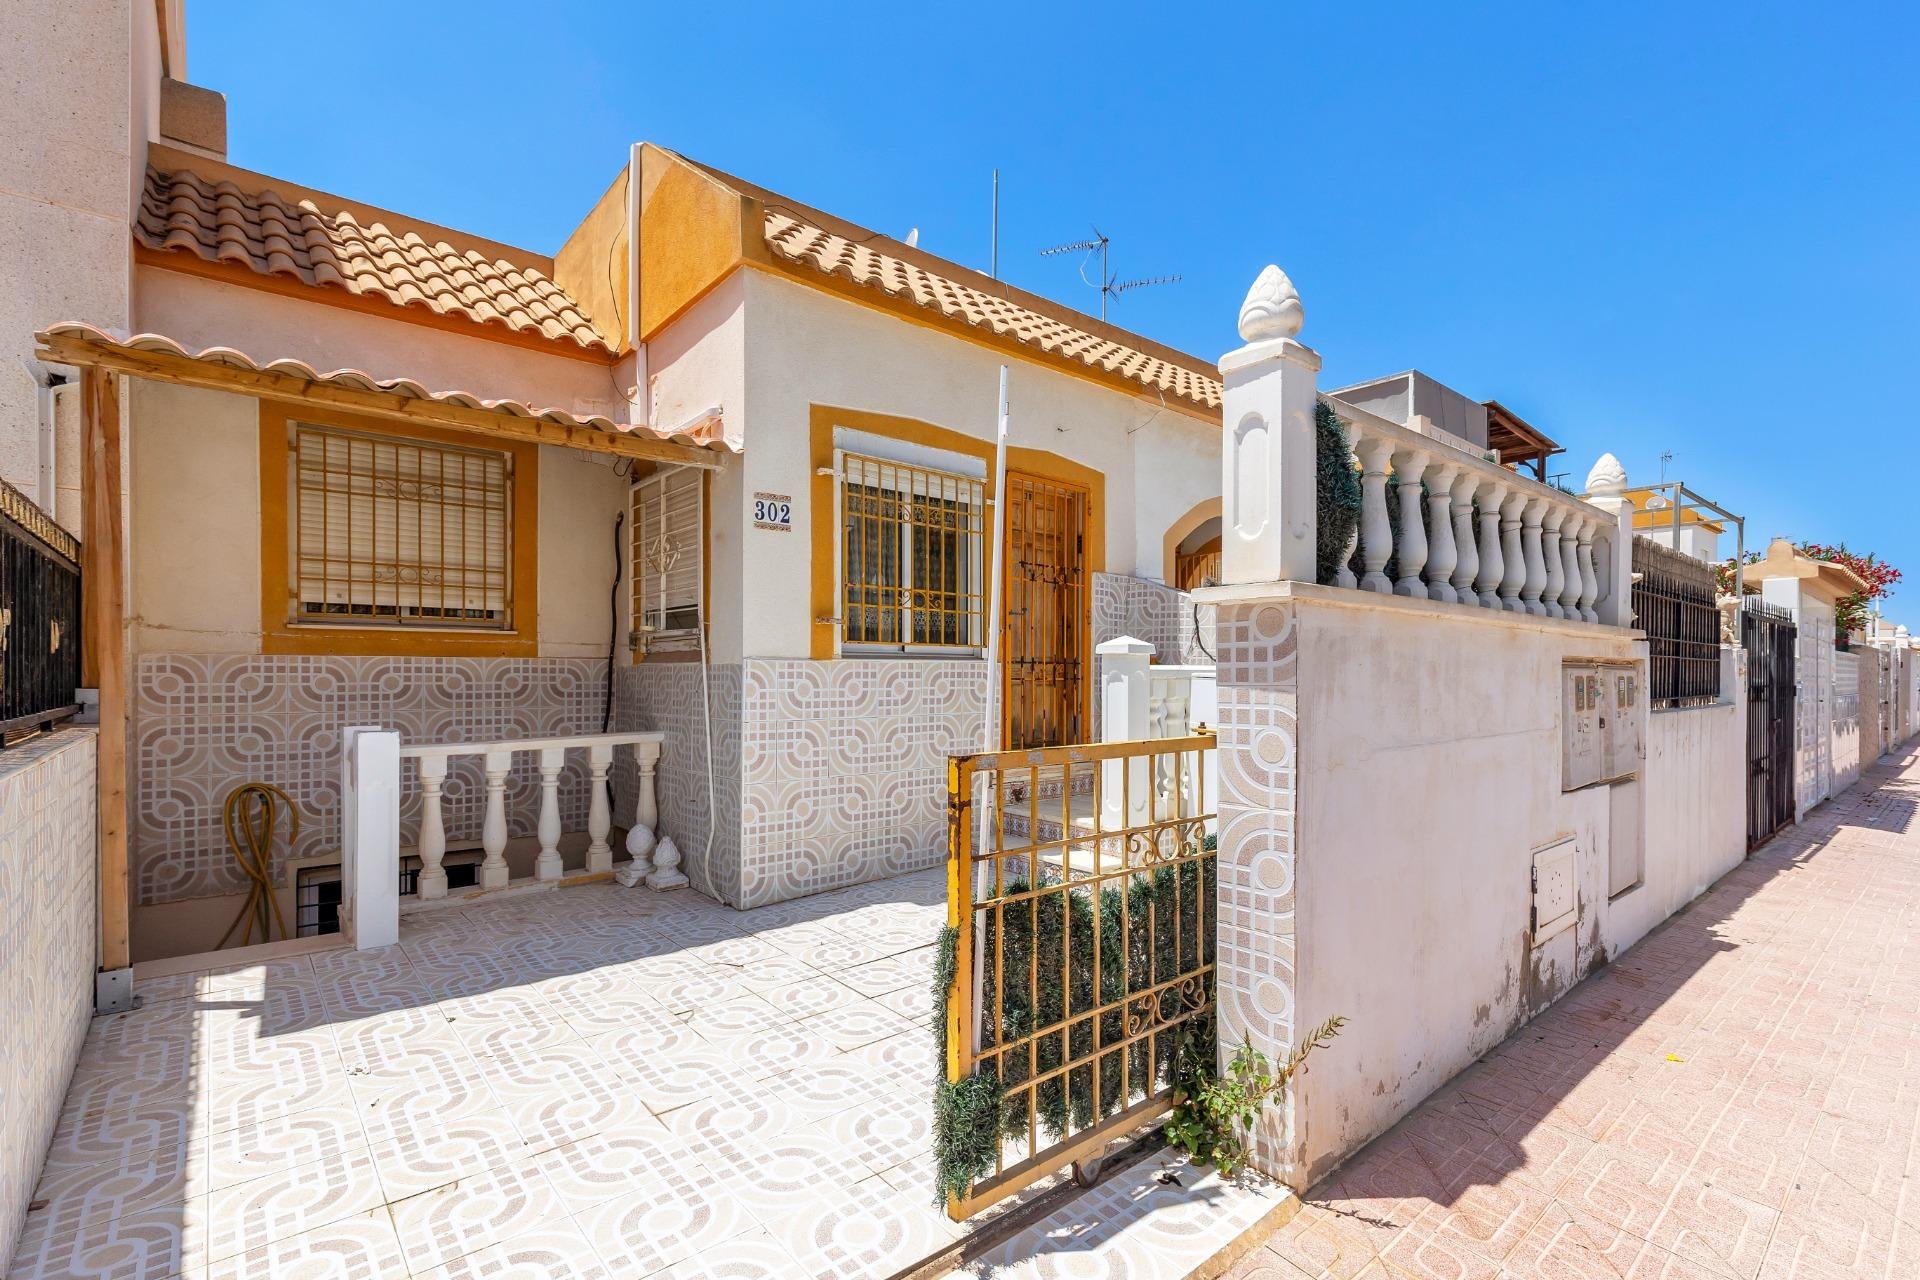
331	640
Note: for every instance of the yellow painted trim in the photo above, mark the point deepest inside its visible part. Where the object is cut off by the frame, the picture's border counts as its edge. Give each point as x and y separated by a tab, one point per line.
1039	463
1202	511
280	636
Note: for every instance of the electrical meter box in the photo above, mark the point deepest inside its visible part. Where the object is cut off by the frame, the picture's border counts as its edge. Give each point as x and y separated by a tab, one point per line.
1555	900
1602	723
1580	745
1623	732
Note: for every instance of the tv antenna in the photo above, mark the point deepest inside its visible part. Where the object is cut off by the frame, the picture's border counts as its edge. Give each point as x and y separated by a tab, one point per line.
1107	285
1666	456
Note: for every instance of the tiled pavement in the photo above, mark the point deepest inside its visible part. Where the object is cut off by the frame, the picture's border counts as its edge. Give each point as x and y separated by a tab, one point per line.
1737	1096
595	1082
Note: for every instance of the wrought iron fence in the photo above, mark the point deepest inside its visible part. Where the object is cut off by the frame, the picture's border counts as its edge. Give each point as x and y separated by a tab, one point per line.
1081	884
1674	603
39	616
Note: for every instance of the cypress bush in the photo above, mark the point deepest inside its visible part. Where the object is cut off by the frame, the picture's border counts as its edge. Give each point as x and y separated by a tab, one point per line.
1336	490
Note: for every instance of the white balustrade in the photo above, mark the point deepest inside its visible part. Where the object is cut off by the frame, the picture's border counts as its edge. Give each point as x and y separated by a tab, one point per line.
1533	548
1139	701
370	837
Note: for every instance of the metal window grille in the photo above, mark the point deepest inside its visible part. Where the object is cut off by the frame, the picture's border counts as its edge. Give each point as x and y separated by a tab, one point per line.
668	558
1674	603
396	532
39	616
913	543
316	901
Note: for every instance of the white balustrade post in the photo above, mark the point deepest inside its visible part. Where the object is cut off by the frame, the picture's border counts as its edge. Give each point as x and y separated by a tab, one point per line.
1556	569
547	866
666	873
1536	579
1124	710
1493	565
1442	556
493	826
1606	490
1589	580
1467	564
1376	527
1570	565
1408	468
1512	556
1343	572
432	882
1267	465
599	811
370	836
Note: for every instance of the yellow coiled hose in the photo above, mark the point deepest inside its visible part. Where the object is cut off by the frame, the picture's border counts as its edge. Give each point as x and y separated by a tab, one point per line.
252	811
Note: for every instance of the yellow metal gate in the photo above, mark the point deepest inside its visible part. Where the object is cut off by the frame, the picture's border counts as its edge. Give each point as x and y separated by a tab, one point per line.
1046	624
1081	889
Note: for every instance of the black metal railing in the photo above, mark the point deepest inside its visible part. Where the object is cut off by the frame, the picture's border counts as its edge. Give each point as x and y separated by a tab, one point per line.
1674	603
39	617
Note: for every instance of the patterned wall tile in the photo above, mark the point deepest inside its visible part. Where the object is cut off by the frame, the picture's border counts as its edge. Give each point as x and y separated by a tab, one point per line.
48	869
667	696
1258	761
843	768
205	723
1181	633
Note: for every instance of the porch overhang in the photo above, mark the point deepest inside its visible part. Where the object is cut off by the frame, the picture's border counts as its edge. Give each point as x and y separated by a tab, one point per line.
159	358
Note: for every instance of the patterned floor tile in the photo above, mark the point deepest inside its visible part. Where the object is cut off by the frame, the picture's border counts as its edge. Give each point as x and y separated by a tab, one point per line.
683	1211
419	1158
290	1202
486	1208
362	1246
554	1249
612	1163
240	1155
155	1243
755	1255
871	1230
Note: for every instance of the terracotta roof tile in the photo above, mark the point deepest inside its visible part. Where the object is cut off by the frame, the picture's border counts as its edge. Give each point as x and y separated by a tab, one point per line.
836	255
220	222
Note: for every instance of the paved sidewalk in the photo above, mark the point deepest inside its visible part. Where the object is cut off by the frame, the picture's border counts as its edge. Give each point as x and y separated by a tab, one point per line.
1737	1096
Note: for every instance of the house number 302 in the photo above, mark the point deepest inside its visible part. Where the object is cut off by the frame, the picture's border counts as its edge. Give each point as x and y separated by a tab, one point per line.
773	511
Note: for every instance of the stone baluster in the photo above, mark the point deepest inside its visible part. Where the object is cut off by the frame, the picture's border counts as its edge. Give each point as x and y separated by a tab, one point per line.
1514	580
1550	560
599	811
1442	555
547	866
1409	467
1343	571
1570	558
433	829
1467	566
666	873
1493	564
493	826
1536	579
1376	528
1589	575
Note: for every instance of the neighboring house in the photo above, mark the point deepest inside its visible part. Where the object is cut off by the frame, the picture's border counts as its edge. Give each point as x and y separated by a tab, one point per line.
1696	533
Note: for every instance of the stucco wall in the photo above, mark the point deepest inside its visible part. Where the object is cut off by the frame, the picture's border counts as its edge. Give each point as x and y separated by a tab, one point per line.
75	123
1847	705
198	312
807	348
1429	773
195	530
48	875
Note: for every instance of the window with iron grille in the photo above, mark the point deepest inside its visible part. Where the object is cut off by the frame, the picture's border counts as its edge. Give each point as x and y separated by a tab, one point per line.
669	559
1674	603
912	562
389	531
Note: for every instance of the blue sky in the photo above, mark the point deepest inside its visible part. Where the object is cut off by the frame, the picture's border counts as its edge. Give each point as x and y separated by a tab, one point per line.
1686	228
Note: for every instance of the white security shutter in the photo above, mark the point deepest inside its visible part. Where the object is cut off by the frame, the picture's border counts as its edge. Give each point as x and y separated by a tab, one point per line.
668	557
389	530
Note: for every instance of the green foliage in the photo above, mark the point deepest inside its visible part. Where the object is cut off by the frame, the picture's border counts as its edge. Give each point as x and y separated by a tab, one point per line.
1213	1112
1041	954
1336	491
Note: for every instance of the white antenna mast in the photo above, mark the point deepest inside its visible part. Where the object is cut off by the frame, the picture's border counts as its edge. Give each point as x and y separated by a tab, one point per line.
1108	286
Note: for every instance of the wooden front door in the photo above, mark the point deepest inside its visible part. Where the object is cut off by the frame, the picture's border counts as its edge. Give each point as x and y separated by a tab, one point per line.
1045	640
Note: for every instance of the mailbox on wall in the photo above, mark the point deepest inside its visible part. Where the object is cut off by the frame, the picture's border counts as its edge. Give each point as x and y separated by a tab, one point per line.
1602	723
